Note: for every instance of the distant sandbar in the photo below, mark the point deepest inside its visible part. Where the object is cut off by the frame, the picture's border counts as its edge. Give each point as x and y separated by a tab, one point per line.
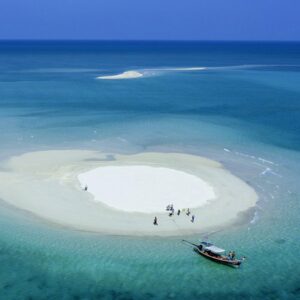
124	75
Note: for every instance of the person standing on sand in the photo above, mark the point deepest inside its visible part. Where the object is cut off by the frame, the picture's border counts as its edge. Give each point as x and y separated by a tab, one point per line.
178	212
188	212
155	221
193	218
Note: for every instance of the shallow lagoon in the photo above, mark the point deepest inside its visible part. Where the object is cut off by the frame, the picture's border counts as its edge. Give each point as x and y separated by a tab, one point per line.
245	117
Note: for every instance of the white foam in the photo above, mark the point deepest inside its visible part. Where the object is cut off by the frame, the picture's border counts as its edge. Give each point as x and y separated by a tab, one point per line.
265	171
245	155
269	170
183	69
267	161
124	75
255	218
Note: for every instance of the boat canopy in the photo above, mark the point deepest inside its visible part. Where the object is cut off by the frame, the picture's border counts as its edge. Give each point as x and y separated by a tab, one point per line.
206	243
215	249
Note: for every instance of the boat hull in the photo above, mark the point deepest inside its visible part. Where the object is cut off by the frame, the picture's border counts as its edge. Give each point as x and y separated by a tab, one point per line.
232	263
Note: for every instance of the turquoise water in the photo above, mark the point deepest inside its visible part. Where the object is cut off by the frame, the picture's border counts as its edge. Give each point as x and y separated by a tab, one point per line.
243	110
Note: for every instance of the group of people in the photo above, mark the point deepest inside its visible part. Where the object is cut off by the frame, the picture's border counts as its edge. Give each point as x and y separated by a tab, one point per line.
171	210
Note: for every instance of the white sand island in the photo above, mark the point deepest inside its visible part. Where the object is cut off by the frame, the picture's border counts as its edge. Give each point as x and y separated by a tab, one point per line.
124	75
125	192
145	189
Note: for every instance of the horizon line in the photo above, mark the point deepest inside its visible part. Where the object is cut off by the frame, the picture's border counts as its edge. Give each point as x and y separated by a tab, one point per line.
144	40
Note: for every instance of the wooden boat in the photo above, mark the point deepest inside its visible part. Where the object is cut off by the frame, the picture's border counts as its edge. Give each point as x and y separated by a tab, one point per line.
216	254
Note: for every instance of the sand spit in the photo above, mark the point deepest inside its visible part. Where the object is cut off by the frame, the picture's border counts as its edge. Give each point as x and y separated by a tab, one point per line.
124	75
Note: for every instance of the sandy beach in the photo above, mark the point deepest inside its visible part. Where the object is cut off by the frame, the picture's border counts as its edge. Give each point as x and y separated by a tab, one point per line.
125	192
145	189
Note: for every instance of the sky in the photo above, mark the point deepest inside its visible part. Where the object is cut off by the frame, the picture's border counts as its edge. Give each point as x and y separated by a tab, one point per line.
150	19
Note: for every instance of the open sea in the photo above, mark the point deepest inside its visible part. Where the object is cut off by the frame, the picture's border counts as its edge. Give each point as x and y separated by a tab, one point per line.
243	110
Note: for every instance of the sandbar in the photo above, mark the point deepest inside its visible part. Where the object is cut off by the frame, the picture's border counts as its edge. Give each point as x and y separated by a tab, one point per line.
124	75
145	189
49	185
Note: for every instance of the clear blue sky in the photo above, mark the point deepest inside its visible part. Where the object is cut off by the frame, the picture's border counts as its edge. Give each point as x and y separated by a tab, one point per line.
150	19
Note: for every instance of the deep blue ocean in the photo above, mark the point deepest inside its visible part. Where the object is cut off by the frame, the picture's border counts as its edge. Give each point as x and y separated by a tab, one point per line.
243	110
